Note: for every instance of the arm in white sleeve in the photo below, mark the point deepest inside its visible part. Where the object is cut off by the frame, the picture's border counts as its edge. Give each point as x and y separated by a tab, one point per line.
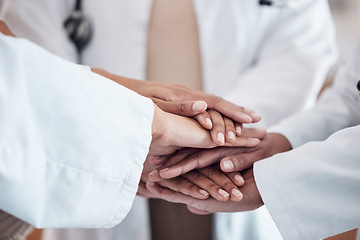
293	60
337	108
72	143
313	191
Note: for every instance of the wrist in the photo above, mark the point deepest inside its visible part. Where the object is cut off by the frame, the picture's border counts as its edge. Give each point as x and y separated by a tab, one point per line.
158	125
279	143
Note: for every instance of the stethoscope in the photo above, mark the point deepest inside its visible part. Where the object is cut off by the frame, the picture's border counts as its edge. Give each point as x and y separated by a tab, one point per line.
278	3
80	29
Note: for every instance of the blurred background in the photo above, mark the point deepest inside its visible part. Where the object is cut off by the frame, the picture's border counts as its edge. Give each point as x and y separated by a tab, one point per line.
346	14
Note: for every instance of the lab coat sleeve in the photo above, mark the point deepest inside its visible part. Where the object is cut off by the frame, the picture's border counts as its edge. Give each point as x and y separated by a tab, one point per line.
72	143
338	108
313	191
296	52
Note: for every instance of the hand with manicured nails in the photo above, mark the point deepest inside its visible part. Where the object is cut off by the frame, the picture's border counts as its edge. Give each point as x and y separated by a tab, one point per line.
201	184
186	160
251	198
222	118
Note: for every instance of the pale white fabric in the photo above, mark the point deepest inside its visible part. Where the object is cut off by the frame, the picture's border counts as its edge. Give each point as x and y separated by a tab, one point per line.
72	143
270	59
313	191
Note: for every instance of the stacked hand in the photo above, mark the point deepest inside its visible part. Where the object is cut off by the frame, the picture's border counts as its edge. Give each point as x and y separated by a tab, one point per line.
235	160
205	160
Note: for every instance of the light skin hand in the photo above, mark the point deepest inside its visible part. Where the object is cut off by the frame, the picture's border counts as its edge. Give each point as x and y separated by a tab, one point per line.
251	198
183	101
171	132
188	159
223	129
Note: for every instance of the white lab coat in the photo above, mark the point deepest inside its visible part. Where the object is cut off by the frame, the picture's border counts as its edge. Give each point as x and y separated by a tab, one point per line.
314	191
270	59
69	156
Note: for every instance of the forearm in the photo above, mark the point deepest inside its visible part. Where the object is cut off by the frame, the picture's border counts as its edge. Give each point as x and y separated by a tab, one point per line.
313	191
64	131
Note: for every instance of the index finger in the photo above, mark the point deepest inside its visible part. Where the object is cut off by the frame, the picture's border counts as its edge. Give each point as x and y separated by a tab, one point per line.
232	111
5	29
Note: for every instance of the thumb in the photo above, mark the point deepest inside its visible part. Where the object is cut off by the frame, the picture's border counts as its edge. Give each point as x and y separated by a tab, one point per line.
5	29
236	162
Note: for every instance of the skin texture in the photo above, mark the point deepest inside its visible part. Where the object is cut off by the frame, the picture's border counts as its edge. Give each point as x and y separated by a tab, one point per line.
222	118
242	159
5	30
251	198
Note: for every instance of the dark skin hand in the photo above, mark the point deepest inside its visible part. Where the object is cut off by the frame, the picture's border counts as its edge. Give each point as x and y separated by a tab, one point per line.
230	158
251	198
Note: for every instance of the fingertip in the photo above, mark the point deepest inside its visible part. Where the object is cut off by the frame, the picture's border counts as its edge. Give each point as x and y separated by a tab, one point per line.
204	193
220	138
205	123
227	165
230	137
224	195
236	195
156	160
172	172
199	106
247	118
239	180
252	142
209	123
238	130
151	184
255	117
154	176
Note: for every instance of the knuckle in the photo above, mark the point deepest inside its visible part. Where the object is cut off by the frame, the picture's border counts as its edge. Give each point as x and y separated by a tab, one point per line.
227	184
192	188
217	100
212	172
240	160
213	187
196	177
182	107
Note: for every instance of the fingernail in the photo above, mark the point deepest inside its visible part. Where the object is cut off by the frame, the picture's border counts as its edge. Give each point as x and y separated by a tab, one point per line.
223	193
199	106
248	118
231	135
236	192
208	122
239	179
153	173
220	137
203	192
228	165
164	170
238	130
255	115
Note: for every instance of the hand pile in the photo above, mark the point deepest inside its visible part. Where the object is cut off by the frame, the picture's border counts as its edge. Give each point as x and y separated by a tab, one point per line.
201	155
